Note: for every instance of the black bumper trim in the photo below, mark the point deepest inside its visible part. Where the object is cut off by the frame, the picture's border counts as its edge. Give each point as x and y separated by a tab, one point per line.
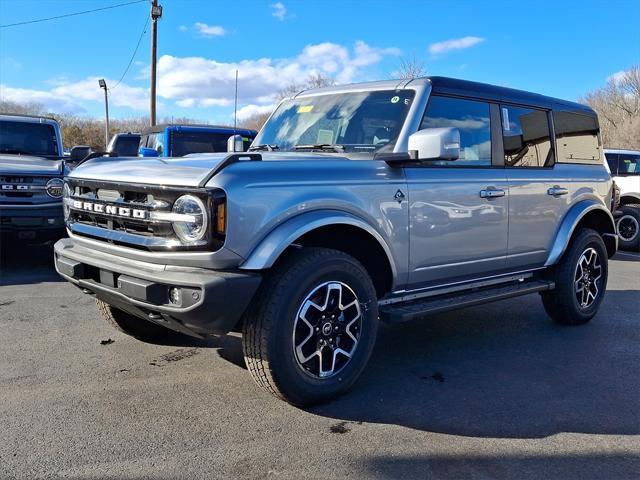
205	301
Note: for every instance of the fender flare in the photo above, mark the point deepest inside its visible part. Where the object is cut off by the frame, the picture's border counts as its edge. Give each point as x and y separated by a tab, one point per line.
265	254
569	224
634	197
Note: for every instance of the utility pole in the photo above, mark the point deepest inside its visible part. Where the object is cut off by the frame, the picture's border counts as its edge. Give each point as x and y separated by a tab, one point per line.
103	85
156	13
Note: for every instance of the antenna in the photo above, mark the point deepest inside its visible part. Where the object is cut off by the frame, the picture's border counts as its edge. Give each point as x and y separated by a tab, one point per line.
235	107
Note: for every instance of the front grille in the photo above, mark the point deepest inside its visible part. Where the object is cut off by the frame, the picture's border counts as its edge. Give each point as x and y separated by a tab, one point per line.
22	189
120	214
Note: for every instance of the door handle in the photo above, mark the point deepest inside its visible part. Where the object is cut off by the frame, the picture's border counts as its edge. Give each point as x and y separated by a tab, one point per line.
492	193
556	191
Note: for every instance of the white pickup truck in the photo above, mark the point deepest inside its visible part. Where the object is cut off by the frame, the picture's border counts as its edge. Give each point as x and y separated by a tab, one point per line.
624	166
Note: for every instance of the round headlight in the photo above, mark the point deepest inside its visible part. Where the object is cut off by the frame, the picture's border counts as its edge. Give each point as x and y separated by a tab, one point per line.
194	225
66	198
54	187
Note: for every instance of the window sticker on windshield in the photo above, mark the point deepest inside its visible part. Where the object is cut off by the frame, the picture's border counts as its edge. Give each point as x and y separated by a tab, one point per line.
395	99
505	120
325	137
305	108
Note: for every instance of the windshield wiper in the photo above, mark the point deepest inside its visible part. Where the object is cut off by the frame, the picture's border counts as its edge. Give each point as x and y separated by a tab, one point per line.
14	151
321	146
263	146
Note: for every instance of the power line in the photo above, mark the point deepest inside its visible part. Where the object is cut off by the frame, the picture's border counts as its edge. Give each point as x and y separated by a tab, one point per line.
71	14
144	30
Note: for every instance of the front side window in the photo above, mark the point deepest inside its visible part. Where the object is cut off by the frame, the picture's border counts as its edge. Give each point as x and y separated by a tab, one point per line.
354	122
612	160
526	137
577	137
26	138
628	164
472	119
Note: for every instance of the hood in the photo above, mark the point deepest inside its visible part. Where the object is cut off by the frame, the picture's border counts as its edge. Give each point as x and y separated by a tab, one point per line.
186	171
28	165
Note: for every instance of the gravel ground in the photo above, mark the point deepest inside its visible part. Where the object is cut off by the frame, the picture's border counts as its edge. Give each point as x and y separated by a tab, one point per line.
492	392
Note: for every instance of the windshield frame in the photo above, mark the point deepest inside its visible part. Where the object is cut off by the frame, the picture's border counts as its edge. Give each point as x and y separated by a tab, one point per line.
421	88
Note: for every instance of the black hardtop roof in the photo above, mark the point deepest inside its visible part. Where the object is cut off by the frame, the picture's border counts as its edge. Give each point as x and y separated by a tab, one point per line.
161	126
465	88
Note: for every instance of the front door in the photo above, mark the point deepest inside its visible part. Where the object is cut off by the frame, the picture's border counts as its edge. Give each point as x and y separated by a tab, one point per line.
458	209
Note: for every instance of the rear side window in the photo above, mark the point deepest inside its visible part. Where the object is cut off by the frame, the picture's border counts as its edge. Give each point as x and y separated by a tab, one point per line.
576	137
472	119
629	164
526	137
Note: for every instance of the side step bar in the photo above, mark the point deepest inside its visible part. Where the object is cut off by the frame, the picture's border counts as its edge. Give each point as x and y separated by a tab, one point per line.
404	312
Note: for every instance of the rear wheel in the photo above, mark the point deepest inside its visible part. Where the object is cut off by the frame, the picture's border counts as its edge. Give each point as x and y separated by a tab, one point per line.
312	327
131	325
628	227
581	280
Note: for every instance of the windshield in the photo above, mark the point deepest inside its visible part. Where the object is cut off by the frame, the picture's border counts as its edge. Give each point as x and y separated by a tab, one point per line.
26	138
357	122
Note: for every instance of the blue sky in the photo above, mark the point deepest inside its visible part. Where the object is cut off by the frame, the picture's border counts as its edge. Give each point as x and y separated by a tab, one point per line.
559	48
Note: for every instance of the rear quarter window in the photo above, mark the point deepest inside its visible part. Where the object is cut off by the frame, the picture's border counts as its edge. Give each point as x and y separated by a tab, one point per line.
577	137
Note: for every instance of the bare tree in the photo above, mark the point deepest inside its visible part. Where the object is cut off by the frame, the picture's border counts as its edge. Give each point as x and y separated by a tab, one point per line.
410	67
618	108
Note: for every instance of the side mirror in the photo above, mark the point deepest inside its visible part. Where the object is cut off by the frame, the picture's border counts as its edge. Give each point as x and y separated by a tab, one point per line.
147	152
235	144
78	153
435	144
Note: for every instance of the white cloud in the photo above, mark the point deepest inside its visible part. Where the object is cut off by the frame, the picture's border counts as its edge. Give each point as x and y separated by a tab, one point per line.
250	110
206	82
279	10
183	28
454	44
209	30
48	100
617	77
68	97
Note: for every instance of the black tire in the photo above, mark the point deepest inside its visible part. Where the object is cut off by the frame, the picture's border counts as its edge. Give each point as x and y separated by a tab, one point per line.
562	304
133	326
628	228
272	322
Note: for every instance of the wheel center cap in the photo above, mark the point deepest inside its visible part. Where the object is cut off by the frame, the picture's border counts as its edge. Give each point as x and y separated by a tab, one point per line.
327	328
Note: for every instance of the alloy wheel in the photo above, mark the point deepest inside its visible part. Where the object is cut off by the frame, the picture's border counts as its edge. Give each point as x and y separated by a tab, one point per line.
628	228
587	278
327	329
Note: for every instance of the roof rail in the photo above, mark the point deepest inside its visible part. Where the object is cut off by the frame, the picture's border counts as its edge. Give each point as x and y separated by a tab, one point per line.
229	160
40	117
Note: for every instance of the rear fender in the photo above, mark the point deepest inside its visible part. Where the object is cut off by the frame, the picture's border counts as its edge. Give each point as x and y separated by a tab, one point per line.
572	219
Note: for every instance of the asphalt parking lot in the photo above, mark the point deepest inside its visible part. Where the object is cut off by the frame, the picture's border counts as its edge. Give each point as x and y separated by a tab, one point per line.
493	392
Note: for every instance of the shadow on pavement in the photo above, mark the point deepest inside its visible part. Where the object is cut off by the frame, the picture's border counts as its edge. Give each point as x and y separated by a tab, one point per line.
504	370
594	466
22	264
627	257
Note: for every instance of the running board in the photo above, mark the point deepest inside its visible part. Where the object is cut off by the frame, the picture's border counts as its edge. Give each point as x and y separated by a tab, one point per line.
404	312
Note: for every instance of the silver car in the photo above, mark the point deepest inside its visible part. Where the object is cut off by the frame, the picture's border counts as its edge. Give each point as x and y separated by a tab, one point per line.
385	201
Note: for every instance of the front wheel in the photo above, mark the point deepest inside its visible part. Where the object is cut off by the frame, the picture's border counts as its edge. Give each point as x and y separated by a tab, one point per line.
581	280
312	327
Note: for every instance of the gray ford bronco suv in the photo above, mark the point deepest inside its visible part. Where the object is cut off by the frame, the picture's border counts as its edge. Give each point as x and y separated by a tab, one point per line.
31	172
385	201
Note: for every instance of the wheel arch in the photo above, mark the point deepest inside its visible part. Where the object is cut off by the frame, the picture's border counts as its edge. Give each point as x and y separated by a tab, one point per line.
585	214
630	199
329	229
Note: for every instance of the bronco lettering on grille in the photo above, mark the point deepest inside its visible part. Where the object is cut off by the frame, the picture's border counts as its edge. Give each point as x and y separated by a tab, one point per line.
114	210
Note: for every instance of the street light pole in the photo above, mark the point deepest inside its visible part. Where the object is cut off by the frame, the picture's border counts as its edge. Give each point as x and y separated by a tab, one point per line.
103	85
156	13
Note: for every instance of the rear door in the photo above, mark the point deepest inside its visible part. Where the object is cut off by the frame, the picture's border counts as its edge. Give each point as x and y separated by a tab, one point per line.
455	233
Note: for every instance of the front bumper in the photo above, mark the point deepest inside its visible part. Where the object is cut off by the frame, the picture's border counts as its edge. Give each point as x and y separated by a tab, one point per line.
32	222
208	301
